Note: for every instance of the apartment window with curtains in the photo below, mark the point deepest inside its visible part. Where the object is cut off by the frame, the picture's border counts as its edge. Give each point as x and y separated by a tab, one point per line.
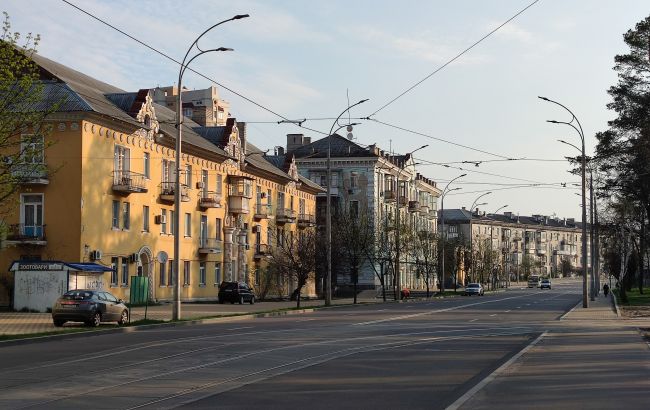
116	215
202	274
125	272
163	274
114	262
126	216
163	225
188	225
217	273
186	273
147	165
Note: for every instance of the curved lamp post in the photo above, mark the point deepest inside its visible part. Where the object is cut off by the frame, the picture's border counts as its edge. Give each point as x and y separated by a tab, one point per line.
578	129
443	236
471	234
176	306
491	232
328	209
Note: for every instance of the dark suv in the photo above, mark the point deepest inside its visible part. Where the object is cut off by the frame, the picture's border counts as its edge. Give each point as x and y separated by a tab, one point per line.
235	292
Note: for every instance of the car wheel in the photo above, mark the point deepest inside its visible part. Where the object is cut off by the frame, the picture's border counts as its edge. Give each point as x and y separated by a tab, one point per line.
58	323
252	300
241	300
96	319
124	318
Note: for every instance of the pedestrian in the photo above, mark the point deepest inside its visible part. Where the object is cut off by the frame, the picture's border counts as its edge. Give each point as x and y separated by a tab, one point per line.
605	289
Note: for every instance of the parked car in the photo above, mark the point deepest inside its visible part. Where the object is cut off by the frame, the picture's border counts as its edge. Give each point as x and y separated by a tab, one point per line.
474	289
89	306
546	284
235	292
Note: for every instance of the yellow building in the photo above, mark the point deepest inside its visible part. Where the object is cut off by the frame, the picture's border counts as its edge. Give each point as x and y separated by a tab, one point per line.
108	197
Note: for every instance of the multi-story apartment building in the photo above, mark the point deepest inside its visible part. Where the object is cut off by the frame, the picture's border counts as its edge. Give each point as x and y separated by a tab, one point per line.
374	180
547	242
202	106
108	198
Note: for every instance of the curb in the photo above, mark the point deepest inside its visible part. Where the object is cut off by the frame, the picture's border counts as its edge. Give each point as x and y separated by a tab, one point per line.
618	312
572	309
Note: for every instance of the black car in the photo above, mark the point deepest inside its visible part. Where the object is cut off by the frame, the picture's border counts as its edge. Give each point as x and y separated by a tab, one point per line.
89	306
235	292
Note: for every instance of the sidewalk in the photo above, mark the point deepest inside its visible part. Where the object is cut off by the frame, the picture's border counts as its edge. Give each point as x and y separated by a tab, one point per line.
592	360
15	323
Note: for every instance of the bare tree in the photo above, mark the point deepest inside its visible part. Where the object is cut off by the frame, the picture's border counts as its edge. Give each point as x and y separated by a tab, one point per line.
381	254
293	258
426	256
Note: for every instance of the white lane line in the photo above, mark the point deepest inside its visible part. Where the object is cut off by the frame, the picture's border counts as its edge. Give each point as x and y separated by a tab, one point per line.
507	311
471	392
240	328
518	307
493	315
473	320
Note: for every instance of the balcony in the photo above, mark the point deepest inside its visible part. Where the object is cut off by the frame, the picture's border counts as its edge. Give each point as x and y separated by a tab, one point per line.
414	206
390	196
239	195
403	201
126	182
424	210
433	214
285	215
30	174
306	221
516	238
261	250
22	234
209	246
541	251
262	211
209	199
168	190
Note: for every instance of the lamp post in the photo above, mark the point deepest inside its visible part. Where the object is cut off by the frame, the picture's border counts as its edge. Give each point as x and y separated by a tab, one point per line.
398	275
443	236
491	244
471	234
176	306
578	129
328	209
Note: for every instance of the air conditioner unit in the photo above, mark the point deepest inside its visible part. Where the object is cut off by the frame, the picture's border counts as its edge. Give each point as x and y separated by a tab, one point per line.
200	185
134	257
160	219
96	255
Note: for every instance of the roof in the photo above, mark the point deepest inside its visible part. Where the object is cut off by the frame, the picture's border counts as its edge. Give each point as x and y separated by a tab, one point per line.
340	147
88	267
59	265
463	215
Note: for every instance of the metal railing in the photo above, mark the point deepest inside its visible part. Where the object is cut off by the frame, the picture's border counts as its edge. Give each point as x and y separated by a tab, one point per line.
285	215
210	245
127	181
25	232
209	199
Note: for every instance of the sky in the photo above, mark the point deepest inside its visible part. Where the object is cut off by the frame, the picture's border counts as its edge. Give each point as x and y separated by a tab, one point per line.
310	59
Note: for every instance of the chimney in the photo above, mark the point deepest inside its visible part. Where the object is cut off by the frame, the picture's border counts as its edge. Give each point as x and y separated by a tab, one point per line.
295	141
280	150
477	213
241	128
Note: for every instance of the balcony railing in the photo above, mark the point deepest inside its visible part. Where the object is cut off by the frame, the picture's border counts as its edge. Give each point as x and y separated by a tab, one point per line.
306	221
424	210
262	211
414	206
285	215
27	234
33	174
209	199
261	250
238	204
390	196
210	245
168	189
128	182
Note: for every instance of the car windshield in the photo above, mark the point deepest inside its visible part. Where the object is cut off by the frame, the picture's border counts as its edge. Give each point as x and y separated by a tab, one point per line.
78	295
473	285
229	286
546	281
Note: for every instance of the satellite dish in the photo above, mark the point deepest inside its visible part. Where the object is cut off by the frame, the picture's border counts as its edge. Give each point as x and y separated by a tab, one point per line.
349	128
350	136
162	257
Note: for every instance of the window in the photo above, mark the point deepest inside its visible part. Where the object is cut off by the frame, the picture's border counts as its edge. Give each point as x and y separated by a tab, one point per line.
168	171
125	271
280	200
126	215
203	234
217	273
187	112
354	180
202	273
269	199
32	215
269	235
170	272
188	175
147	165
335	180
204	180
116	215
217	233
114	262
186	273
323	180
172	221
121	159
163	224
163	274
188	225
354	209
301	206
145	218
31	149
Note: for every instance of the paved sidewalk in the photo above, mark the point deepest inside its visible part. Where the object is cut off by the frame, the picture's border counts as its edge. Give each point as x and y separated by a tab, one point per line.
592	360
14	323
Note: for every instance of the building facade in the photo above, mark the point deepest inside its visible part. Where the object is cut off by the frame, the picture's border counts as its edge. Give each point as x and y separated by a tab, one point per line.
108	197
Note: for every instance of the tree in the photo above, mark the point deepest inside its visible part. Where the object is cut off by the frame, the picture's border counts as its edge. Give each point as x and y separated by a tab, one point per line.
380	255
624	149
426	254
353	235
566	267
293	259
22	111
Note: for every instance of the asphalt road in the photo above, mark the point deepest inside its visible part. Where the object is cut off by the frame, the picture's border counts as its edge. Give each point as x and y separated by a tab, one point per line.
416	355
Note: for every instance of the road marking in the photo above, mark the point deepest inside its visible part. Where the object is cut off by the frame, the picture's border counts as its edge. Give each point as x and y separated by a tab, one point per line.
473	320
471	392
493	315
507	311
239	328
518	307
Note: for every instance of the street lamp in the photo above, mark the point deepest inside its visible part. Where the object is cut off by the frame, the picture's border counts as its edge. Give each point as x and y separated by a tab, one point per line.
176	306
578	129
491	243
328	223
398	275
442	214
471	234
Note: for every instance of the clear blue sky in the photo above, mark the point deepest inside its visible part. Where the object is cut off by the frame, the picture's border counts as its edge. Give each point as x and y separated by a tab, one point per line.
299	58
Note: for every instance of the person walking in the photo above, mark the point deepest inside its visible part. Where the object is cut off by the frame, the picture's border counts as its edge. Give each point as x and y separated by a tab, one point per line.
605	289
